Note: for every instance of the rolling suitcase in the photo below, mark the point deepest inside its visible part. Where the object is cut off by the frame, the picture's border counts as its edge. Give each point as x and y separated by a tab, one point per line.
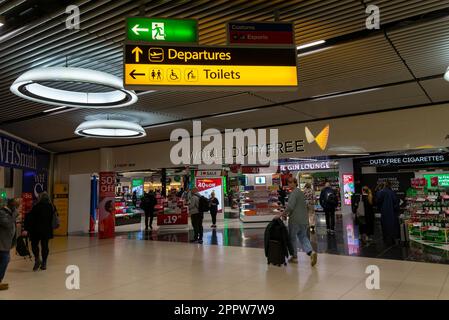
275	254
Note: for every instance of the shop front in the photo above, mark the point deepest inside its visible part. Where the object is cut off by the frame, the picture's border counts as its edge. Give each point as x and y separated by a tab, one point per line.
24	172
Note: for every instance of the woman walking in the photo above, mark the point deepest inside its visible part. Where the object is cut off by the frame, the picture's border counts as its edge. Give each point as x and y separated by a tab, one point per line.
213	201
39	226
310	202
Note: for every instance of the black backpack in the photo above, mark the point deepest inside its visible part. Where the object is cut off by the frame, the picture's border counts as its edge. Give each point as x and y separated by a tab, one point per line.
331	200
22	247
203	205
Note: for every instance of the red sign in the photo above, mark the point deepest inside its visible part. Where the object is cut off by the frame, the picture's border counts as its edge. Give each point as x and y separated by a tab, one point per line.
27	203
106	216
172	219
260	33
208	185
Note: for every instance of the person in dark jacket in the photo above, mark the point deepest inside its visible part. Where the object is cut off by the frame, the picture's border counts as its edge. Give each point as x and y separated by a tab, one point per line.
388	205
213	201
8	216
329	202
281	196
134	198
276	230
367	219
147	205
39	227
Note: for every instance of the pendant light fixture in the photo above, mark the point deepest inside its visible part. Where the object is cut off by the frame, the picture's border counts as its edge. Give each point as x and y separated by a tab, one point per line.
110	129
31	86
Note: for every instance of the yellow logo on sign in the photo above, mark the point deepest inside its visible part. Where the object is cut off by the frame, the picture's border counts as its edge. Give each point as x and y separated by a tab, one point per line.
156	54
191	75
174	74
321	139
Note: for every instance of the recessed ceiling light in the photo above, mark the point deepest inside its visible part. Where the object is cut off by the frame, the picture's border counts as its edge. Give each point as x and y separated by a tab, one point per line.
446	75
110	129
311	44
29	86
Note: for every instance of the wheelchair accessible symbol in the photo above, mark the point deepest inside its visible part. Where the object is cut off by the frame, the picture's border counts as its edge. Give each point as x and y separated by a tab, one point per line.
174	75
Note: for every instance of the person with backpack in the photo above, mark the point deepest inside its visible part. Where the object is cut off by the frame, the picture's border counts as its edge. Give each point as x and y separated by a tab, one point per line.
329	202
147	205
8	217
197	206
39	224
213	201
298	223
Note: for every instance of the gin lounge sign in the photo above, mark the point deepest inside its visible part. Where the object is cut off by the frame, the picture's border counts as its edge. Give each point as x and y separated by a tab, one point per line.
16	154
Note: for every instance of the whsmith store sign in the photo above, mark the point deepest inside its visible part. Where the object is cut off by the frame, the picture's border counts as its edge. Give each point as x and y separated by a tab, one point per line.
16	154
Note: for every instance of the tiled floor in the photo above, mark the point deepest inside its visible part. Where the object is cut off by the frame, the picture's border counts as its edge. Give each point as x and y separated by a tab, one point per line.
344	242
124	268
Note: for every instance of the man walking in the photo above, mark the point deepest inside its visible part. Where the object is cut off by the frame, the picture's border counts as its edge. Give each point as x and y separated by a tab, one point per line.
147	205
298	223
8	216
329	202
196	215
388	205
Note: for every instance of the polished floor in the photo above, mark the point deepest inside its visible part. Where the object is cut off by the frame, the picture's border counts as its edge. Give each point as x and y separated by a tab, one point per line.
123	268
231	232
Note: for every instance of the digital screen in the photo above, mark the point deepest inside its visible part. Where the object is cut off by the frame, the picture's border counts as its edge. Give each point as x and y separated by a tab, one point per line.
348	188
260	180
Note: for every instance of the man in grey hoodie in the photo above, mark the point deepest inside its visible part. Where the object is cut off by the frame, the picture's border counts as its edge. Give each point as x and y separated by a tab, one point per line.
196	216
298	222
8	217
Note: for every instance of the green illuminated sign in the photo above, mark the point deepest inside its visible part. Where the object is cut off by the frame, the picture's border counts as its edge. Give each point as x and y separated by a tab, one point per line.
443	179
161	30
137	182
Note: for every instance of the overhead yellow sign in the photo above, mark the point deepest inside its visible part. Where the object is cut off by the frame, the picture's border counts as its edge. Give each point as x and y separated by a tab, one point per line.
157	66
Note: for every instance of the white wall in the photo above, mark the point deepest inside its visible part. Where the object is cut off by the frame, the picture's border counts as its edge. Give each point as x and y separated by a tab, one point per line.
79	203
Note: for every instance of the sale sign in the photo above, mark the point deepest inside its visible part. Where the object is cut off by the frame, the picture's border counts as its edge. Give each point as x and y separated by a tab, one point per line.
172	219
208	185
106	217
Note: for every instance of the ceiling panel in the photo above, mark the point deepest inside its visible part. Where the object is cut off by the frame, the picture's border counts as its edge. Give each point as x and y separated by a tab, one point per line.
424	47
259	118
375	100
438	89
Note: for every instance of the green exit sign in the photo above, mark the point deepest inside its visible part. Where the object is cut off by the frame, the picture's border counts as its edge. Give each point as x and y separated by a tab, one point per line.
161	30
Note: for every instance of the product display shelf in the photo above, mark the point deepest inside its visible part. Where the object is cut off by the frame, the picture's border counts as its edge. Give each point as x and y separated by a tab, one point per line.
258	207
427	215
126	213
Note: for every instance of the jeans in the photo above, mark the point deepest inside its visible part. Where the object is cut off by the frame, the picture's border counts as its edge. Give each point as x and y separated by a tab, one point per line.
311	212
4	260
44	248
197	223
150	215
299	232
330	219
214	217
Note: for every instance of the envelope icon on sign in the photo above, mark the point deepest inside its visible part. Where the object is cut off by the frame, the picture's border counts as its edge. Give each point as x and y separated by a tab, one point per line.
156	54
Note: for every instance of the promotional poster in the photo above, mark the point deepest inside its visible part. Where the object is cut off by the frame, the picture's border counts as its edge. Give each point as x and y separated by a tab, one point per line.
106	219
208	185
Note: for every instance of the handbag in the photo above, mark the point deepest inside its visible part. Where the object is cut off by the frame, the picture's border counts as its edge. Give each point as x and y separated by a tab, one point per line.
55	220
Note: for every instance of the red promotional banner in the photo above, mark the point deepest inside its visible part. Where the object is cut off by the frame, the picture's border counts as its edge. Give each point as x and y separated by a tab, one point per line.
208	185
172	219
106	219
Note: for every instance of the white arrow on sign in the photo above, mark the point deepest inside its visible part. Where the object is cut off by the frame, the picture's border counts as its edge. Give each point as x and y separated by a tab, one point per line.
136	29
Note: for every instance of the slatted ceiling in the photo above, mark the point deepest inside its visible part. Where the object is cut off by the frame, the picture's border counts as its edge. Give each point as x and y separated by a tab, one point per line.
392	10
425	48
225	104
438	89
259	118
376	100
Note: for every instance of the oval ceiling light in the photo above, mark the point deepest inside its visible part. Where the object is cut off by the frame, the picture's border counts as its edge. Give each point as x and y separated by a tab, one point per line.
446	75
29	86
110	129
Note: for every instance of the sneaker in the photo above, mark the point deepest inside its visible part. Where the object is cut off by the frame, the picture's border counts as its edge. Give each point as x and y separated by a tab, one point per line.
313	259
37	265
293	260
4	286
